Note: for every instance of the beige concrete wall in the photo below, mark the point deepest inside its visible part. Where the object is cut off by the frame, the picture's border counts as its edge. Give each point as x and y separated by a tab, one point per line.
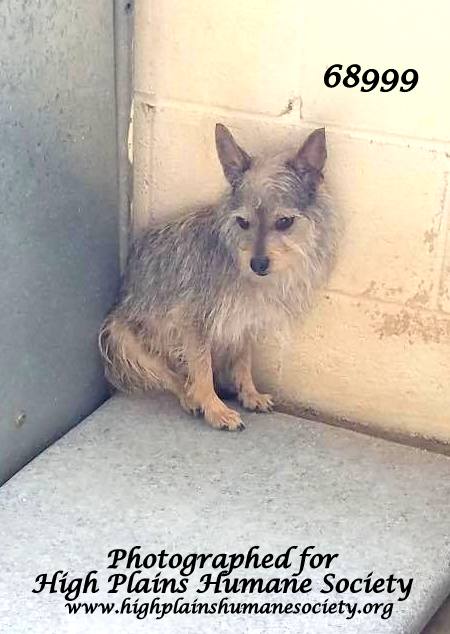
377	347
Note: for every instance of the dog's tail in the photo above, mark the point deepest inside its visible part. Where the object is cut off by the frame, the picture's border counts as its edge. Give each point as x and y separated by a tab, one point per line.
126	362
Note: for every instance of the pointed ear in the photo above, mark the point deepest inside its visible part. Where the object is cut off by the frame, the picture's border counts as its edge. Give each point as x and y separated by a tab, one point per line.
232	157
313	152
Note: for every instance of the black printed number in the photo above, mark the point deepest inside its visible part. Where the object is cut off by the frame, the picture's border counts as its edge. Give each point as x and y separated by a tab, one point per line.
389	79
351	79
332	78
411	83
370	78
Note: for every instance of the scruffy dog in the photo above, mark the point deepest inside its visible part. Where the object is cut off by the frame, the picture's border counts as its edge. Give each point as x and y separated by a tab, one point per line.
197	291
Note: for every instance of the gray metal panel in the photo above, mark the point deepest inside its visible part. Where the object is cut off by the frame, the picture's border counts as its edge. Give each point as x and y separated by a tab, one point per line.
58	216
123	35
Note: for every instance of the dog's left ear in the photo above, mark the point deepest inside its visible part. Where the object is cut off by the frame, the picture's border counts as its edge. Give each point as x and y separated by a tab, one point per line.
313	153
232	157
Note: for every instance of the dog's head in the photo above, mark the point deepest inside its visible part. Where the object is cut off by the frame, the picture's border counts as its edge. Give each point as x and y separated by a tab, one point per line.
271	205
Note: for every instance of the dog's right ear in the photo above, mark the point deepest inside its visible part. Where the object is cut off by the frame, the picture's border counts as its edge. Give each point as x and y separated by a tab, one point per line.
312	154
232	157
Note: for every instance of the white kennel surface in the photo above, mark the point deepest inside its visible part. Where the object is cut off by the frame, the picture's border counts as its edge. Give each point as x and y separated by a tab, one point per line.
140	472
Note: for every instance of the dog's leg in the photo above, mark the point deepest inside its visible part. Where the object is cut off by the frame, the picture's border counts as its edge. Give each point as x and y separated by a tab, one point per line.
200	387
248	395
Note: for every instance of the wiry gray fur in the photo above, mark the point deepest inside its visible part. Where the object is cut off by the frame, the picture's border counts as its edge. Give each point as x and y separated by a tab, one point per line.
193	274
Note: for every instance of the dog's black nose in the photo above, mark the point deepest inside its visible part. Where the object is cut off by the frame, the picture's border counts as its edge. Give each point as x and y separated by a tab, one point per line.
260	264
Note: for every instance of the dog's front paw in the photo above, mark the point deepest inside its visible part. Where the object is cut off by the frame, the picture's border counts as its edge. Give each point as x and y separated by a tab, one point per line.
256	402
220	416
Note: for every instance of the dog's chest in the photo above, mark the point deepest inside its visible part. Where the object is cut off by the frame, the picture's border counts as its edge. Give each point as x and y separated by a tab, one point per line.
239	318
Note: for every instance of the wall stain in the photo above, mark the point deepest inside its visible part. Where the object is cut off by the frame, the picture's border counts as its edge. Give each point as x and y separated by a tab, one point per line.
422	296
413	325
376	290
444	290
291	105
394	290
371	289
429	237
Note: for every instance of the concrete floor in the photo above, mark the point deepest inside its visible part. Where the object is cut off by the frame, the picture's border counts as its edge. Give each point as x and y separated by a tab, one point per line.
140	472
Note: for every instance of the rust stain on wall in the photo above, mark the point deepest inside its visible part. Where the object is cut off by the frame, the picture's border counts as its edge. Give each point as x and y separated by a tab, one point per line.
422	296
370	290
429	237
444	290
413	325
394	290
379	289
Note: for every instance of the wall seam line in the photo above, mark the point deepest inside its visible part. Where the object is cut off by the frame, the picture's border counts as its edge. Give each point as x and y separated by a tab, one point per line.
445	207
375	135
373	299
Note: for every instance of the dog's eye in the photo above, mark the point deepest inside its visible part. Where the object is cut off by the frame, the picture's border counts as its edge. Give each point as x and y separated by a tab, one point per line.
284	223
242	222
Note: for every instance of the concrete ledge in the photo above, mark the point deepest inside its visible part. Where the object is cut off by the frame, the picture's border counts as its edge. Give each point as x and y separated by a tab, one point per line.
139	472
440	623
